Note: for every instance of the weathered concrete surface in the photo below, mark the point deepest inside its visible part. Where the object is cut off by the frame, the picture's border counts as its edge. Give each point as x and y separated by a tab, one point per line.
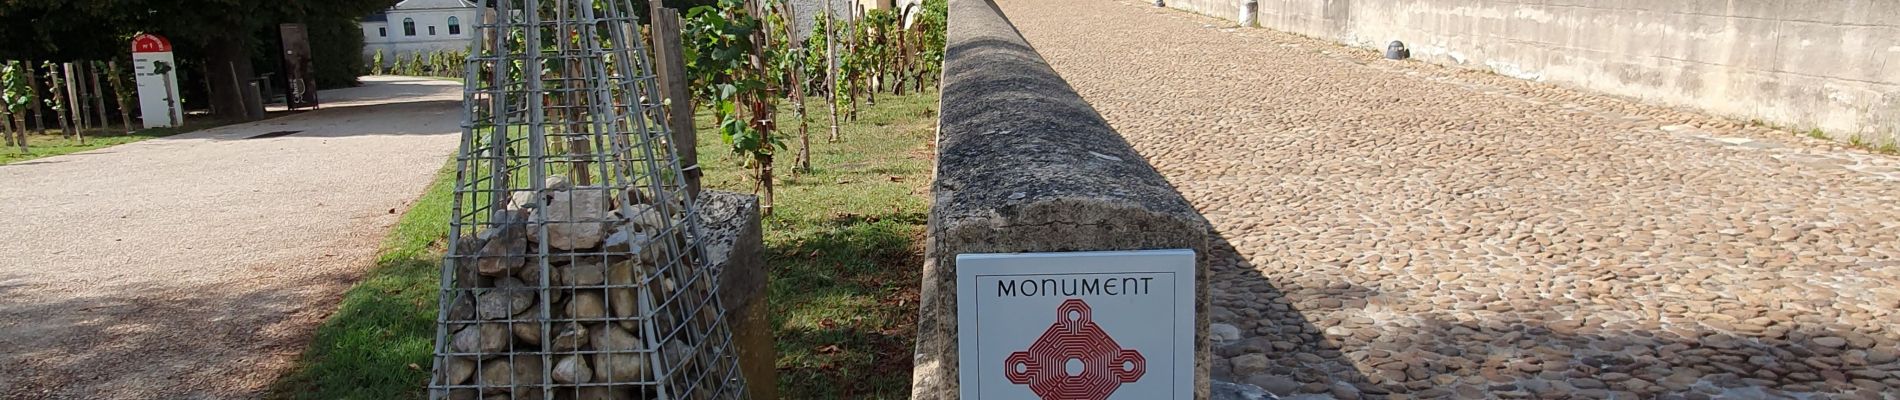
1024	165
1829	64
195	266
1404	230
735	251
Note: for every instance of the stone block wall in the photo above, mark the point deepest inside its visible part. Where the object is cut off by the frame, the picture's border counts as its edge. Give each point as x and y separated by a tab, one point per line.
1803	64
735	251
1025	165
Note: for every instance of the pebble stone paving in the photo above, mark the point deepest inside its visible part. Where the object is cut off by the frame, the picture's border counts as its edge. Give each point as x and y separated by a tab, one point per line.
1405	230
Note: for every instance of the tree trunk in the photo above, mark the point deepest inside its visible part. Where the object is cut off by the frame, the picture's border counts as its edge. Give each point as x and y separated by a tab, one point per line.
6	124
39	112
902	61
20	120
98	94
116	78
229	72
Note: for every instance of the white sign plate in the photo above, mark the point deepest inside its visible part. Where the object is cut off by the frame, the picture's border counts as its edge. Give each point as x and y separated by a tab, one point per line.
1076	326
158	92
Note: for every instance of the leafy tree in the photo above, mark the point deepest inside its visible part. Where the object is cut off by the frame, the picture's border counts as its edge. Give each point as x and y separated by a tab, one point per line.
787	68
726	56
16	97
930	25
219	35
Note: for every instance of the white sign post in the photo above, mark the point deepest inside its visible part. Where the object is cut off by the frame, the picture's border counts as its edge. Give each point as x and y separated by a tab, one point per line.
157	76
1076	326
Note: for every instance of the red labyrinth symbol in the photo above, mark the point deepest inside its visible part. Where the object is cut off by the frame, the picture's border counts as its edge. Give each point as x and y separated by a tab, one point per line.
1074	339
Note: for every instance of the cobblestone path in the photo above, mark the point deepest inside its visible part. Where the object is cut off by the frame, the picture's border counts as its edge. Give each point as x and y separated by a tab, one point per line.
1399	230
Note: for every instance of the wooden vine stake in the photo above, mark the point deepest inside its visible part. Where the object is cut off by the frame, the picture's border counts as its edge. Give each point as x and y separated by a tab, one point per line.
760	102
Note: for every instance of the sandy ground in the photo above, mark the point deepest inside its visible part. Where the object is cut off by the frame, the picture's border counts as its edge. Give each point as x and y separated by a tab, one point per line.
195	266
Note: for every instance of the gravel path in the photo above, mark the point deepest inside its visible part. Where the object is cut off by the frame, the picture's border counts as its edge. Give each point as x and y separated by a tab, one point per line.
195	266
1399	230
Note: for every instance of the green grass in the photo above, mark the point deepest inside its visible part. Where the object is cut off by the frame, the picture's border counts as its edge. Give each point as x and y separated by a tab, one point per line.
1817	134
53	144
843	248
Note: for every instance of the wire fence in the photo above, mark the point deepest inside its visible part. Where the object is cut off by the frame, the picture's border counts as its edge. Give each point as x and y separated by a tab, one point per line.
576	272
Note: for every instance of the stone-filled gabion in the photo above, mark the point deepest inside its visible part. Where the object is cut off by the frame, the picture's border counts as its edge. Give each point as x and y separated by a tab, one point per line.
574	272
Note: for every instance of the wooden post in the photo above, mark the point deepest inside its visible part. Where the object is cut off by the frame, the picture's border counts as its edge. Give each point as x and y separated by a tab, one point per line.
670	66
831	70
75	106
763	108
117	79
39	110
83	97
857	48
790	17
59	98
98	94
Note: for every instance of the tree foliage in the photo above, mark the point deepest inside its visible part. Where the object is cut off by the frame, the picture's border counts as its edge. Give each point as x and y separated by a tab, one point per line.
64	30
221	37
719	41
15	95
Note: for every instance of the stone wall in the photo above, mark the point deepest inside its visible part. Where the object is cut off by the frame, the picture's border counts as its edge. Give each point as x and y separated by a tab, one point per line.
807	10
1827	64
735	251
1025	165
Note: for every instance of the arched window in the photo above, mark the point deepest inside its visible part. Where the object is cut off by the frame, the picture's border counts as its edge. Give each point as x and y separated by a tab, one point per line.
409	26
455	26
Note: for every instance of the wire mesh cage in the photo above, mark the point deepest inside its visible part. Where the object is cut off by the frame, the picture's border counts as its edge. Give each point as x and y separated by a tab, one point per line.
575	269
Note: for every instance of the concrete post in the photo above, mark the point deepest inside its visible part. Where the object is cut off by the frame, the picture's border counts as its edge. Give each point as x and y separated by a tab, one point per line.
735	251
1250	13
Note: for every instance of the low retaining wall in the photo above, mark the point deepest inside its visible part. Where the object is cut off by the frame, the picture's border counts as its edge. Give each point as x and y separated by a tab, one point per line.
1827	64
1025	165
735	250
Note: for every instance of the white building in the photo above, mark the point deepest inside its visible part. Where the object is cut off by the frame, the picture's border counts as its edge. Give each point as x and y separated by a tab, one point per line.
420	26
